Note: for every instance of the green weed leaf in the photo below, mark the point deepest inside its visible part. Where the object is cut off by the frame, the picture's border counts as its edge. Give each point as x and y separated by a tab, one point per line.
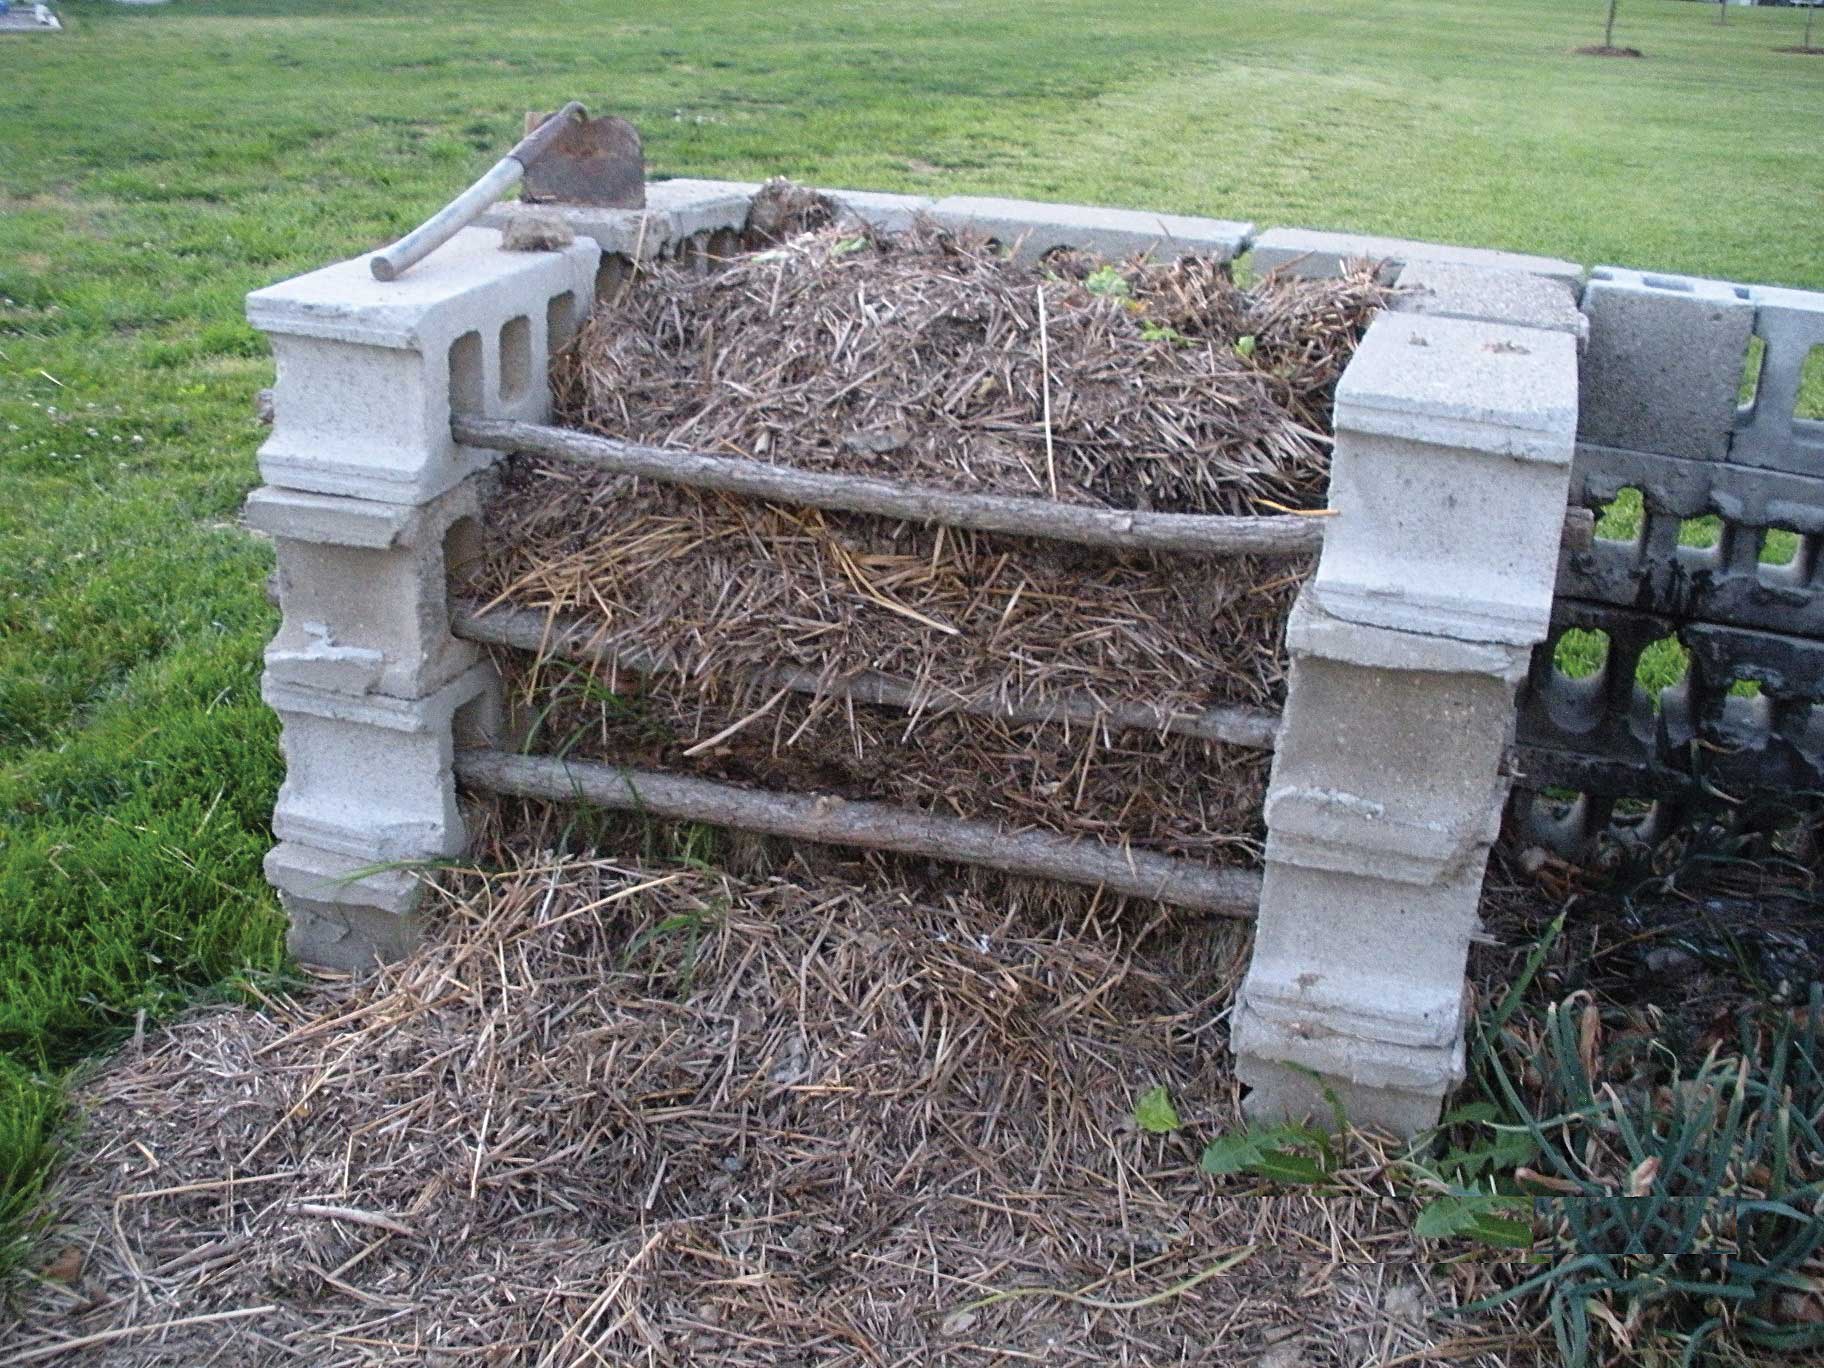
1154	1112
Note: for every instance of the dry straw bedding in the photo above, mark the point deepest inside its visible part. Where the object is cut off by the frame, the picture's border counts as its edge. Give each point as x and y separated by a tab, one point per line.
616	1116
934	359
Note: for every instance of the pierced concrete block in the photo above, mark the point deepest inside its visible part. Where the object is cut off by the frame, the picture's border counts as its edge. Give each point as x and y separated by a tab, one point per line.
888	213
372	777
1033	229
364	588
1790	324
1312	254
1451	469
1443	289
369	372
344	912
1664	362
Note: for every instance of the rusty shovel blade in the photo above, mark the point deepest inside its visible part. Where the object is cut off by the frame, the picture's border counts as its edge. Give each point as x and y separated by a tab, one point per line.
594	161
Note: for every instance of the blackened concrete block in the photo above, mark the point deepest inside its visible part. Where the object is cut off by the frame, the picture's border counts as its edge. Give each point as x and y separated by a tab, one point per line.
365	587
1311	253
1443	289
1790	324
1032	229
369	372
1452	465
1663	365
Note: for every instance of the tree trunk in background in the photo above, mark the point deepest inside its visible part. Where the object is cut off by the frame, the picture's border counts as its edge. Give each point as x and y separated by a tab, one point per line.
1608	32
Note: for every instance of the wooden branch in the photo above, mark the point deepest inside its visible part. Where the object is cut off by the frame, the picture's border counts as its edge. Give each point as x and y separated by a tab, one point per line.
874	826
1195	534
577	639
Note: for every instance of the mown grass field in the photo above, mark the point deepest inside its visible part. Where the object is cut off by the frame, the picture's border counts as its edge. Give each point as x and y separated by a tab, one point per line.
155	164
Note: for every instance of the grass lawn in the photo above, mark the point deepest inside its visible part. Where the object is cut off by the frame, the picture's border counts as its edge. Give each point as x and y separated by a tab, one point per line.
156	164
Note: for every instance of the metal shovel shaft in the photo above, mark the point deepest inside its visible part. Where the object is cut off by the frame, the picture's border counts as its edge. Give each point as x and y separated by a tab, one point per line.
390	262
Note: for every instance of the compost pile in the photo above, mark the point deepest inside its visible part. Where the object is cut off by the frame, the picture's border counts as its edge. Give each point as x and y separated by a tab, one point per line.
611	1115
932	358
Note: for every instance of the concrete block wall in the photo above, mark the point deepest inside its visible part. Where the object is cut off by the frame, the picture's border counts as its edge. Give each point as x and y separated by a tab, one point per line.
1456	426
371	507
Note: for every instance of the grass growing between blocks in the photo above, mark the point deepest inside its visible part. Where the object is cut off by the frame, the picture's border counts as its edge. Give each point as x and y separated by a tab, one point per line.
259	140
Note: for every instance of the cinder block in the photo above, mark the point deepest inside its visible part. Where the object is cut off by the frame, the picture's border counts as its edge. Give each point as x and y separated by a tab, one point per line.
373	777
1313	254
1349	969
364	588
676	210
369	372
1449	479
1033	229
1283	1092
1443	289
1790	323
1663	364
344	912
889	213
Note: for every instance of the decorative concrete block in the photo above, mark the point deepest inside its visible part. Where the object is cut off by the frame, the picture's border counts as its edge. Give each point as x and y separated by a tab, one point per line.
344	912
1664	362
1790	324
1032	229
888	213
1444	289
373	777
369	372
1451	468
364	588
1311	253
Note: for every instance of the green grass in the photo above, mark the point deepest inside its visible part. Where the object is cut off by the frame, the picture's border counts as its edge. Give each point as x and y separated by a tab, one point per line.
156	164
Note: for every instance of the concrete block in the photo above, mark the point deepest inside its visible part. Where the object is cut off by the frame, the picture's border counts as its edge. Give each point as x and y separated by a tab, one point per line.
676	210
1449	480
1316	628
369	372
1311	253
348	936
1663	364
1790	324
344	912
1283	1092
364	589
888	213
372	777
1033	229
1445	289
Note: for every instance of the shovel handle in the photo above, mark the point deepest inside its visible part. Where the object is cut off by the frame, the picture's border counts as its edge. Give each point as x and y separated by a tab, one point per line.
389	263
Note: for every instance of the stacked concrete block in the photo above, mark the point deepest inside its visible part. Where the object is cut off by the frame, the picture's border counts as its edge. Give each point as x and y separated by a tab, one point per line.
1770	435
1663	367
887	212
1310	253
1452	464
372	506
1448	289
1031	229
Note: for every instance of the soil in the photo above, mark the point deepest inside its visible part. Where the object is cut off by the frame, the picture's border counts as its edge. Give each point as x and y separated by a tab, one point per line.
1599	50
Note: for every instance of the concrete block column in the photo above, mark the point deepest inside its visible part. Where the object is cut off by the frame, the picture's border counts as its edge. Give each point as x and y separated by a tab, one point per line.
372	506
1452	464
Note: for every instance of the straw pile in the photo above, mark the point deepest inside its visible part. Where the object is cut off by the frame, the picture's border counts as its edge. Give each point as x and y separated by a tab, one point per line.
611	1116
933	359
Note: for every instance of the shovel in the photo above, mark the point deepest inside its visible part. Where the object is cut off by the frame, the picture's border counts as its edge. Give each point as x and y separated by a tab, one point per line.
566	155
